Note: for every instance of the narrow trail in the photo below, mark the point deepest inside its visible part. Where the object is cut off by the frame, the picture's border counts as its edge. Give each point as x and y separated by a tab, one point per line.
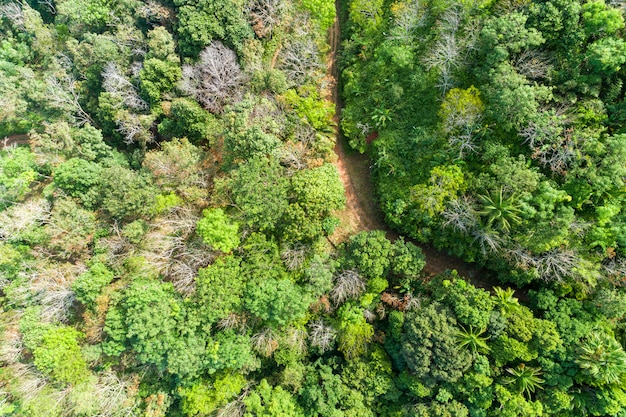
362	211
13	140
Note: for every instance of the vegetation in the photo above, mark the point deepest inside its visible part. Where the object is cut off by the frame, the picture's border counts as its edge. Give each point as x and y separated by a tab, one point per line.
169	199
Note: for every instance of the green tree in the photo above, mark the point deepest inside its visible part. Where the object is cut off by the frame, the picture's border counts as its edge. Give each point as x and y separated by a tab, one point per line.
268	401
429	347
89	285
525	379
354	332
126	195
17	172
158	77
219	289
407	260
217	231
278	302
322	391
147	320
186	118
59	355
602	359
369	252
80	179
258	190
443	185
204	397
200	22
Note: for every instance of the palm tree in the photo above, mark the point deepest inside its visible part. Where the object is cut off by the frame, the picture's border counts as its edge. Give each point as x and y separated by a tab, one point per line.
472	340
526	379
602	358
500	211
505	298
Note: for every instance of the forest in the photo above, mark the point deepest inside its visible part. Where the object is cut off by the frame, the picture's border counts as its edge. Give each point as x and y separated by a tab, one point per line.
173	237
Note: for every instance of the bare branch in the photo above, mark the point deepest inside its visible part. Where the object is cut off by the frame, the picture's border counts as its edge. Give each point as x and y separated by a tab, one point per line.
115	83
348	284
488	240
265	342
49	5
215	79
300	60
294	257
63	95
321	335
264	15
13	12
533	64
460	215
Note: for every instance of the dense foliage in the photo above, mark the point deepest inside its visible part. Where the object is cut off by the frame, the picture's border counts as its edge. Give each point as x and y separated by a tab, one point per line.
169	207
497	130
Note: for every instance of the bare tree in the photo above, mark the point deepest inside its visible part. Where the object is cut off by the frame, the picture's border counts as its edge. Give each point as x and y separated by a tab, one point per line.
449	52
348	284
553	144
300	59
464	141
445	56
114	82
215	79
370	315
11	346
155	13
557	264
63	94
30	382
321	335
51	288
293	156
488	241
554	265
296	339
114	395
184	265
264	15
460	215
21	217
520	257
409	17
265	342
615	268
13	12
235	408
234	321
532	64
294	256
135	128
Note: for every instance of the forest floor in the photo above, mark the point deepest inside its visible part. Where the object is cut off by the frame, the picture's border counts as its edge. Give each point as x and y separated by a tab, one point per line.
362	211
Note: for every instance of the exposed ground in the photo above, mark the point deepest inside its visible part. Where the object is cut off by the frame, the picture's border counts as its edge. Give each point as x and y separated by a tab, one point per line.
362	211
13	140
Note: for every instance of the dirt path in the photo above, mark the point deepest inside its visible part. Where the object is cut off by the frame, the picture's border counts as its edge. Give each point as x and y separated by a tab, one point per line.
13	140
362	211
